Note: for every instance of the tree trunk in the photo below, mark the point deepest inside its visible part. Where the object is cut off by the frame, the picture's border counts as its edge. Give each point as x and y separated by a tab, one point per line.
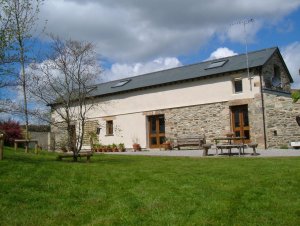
25	101
23	75
1	146
75	156
71	143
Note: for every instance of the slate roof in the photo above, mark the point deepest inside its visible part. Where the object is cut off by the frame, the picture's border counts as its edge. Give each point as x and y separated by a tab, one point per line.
186	73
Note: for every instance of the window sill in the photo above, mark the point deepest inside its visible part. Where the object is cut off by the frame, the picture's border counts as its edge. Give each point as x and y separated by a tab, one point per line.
109	135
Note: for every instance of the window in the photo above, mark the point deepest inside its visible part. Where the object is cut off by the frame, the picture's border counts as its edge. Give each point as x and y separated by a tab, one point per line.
276	79
238	85
216	64
109	127
121	83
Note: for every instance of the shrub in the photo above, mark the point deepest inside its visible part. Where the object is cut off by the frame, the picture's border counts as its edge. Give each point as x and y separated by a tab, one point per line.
284	146
12	130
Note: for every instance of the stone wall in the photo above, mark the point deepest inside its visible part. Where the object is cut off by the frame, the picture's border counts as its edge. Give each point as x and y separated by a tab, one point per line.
281	112
213	120
255	112
268	73
60	132
209	119
59	135
43	139
89	127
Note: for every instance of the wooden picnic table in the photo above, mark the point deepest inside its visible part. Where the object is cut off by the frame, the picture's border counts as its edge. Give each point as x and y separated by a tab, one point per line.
240	147
26	142
229	144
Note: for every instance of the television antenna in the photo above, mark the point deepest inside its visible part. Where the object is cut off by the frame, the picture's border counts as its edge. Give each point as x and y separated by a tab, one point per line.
244	22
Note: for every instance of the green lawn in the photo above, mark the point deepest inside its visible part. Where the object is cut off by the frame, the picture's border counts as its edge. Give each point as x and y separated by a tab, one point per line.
135	190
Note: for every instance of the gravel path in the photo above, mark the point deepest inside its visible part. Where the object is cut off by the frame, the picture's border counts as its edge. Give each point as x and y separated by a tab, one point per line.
212	153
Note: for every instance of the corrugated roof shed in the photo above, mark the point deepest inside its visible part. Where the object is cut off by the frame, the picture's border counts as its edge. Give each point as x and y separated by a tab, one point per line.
186	73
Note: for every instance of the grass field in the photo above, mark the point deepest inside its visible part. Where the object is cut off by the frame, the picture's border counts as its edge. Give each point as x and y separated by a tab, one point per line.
136	190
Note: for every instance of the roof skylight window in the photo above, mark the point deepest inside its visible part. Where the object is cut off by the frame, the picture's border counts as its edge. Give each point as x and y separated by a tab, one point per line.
216	64
121	83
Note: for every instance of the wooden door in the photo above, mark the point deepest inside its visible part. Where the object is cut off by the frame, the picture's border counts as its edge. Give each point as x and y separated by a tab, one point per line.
240	122
156	125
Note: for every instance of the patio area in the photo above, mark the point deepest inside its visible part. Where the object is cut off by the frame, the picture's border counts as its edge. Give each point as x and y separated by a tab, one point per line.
212	153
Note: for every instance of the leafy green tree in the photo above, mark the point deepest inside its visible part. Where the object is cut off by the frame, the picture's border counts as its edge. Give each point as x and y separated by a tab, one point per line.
296	96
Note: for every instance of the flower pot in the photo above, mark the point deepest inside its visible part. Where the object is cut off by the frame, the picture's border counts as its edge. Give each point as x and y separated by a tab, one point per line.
167	146
136	147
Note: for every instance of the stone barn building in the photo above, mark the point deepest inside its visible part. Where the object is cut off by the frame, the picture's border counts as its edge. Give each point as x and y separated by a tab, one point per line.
207	98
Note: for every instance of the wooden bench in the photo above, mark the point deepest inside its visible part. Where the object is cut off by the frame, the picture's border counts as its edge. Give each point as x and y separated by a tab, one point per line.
295	145
70	155
189	141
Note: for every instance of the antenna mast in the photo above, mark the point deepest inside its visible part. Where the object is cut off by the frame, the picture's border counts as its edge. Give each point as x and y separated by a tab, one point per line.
245	22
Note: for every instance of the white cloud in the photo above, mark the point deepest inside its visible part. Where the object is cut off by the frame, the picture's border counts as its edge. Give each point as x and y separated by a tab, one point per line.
138	31
241	33
118	71
291	55
221	52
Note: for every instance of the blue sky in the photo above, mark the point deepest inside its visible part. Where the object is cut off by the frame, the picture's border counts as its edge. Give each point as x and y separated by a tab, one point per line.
136	37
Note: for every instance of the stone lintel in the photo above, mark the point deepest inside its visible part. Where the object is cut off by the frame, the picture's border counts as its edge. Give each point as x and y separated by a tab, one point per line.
240	102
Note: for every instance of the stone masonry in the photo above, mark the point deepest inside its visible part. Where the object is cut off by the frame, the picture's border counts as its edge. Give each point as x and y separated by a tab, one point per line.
213	120
281	124
255	111
89	127
209	119
268	73
59	135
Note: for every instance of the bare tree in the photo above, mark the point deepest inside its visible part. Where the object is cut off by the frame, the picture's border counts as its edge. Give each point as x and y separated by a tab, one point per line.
65	82
5	43
20	19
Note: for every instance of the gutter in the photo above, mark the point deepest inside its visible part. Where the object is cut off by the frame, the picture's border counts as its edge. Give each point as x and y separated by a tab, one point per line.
263	109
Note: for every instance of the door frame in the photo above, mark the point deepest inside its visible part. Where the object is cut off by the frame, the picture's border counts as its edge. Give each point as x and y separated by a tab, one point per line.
242	127
158	134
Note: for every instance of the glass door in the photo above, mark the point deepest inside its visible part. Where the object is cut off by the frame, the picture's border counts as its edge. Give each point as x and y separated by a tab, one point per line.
156	125
240	122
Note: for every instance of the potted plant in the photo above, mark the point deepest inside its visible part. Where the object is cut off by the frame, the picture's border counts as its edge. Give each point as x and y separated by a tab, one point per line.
136	146
167	145
114	147
99	148
94	148
104	148
121	147
109	148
